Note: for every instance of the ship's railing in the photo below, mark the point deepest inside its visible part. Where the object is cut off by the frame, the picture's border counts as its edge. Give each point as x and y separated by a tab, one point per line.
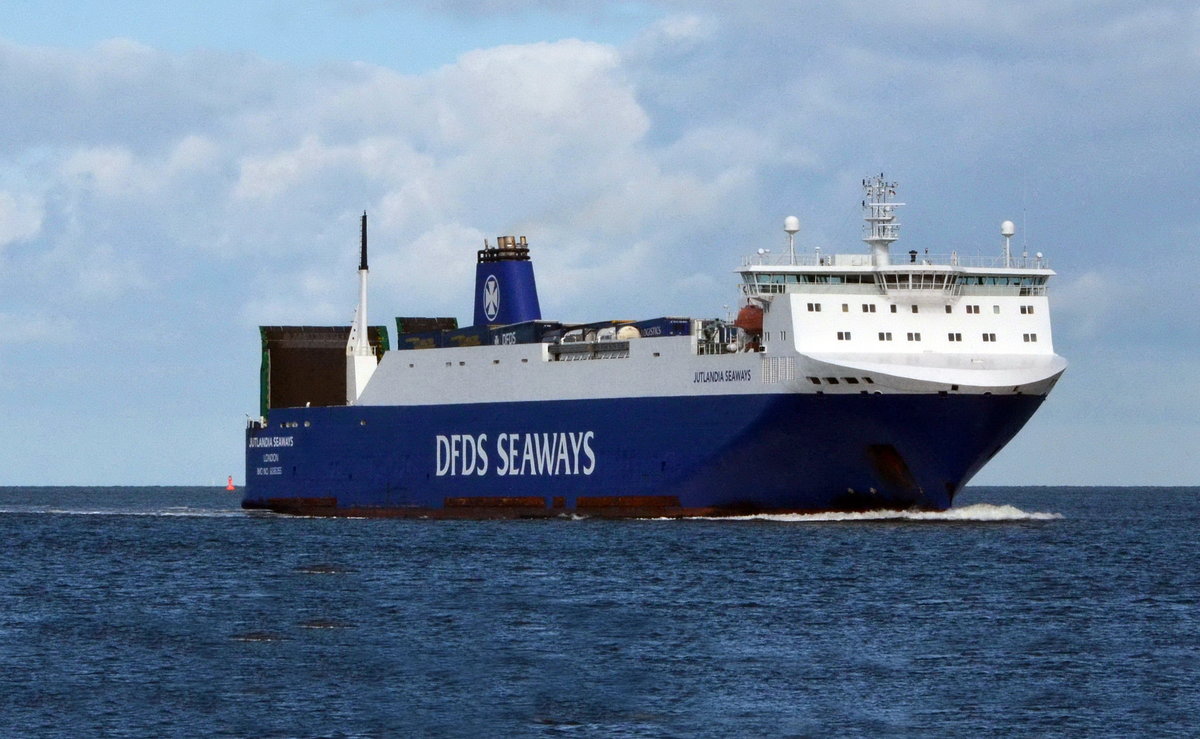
956	290
900	259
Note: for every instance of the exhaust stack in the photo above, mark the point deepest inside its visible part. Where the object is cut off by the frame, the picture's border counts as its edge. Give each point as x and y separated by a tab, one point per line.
505	291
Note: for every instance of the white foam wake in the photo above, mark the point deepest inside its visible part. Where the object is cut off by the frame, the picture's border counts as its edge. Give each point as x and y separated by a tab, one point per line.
164	513
974	512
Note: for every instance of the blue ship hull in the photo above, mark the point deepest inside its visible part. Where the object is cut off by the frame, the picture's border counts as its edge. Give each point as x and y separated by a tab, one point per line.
710	455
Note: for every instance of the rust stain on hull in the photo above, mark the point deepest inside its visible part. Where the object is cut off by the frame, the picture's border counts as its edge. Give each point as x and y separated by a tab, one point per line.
589	506
489	507
626	501
521	507
522	501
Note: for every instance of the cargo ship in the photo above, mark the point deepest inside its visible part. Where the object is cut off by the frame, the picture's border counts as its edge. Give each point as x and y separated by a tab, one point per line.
845	382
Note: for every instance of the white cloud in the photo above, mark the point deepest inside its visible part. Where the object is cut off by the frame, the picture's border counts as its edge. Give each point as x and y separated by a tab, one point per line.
20	217
681	31
530	104
385	160
266	177
117	171
434	273
309	298
194	153
110	170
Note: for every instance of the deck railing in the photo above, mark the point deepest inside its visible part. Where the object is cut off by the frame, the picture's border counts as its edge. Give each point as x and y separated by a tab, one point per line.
898	261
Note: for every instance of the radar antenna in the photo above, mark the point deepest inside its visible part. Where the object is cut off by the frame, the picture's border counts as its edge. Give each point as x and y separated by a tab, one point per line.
1007	229
791	225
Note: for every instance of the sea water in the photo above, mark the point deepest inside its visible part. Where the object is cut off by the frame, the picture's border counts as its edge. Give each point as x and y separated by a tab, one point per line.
170	612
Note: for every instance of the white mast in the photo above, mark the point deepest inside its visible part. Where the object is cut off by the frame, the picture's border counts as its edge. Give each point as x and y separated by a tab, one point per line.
880	214
360	357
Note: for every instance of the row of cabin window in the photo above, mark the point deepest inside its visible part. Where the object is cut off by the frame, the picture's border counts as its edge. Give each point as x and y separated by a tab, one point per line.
1026	310
916	336
887	336
870	308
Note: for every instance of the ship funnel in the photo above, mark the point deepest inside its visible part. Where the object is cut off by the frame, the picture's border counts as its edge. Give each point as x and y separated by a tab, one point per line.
505	291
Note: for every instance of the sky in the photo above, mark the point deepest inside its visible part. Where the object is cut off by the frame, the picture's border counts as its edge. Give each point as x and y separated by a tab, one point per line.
173	175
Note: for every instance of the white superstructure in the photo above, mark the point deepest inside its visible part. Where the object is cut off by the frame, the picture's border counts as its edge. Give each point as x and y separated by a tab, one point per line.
973	323
830	323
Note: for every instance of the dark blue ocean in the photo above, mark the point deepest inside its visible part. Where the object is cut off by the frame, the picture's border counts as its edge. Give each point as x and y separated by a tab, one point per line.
170	612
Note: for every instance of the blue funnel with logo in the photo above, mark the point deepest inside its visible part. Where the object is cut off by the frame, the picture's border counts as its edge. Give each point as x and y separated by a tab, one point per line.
505	291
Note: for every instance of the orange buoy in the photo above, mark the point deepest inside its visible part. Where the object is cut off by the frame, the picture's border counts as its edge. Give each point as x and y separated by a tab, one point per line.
229	485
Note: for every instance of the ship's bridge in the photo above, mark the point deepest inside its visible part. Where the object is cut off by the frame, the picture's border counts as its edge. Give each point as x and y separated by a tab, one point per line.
923	276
